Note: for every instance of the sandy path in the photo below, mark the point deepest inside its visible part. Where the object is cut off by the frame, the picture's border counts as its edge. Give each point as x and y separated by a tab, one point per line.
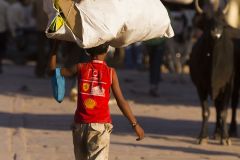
34	127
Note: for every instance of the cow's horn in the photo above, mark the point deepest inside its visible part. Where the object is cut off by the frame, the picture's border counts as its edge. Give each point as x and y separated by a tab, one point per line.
198	8
225	10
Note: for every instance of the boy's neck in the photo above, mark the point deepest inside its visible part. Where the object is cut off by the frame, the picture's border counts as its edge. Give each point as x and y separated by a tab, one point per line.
98	57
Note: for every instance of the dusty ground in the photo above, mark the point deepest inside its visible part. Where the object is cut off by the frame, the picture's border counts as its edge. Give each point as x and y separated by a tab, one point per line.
35	127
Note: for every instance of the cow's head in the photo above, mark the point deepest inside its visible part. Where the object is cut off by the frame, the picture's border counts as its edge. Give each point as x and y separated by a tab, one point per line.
212	18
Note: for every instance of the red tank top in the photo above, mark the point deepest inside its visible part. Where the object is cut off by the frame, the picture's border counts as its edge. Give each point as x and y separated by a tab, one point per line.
94	82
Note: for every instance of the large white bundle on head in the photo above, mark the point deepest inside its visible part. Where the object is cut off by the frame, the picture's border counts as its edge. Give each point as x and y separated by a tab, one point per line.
119	22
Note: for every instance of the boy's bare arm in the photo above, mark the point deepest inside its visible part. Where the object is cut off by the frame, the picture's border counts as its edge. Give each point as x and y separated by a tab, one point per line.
68	72
124	106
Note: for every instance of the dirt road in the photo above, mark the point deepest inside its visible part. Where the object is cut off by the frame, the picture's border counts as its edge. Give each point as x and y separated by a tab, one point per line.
35	127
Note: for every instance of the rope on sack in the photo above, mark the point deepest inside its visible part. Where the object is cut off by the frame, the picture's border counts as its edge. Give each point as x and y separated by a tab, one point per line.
57	7
70	9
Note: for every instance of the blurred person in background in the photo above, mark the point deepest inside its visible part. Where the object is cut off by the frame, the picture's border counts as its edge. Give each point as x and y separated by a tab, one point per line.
43	44
3	29
179	47
133	56
21	25
155	49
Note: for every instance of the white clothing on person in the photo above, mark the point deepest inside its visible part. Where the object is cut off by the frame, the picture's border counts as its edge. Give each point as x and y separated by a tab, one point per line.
20	17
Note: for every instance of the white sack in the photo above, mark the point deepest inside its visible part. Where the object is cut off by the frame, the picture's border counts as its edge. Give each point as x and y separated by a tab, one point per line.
119	22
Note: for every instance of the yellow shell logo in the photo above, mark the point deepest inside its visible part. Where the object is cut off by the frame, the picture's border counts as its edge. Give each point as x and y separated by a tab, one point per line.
90	103
85	87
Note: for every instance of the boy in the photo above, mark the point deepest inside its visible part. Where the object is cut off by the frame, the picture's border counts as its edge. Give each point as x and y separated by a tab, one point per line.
92	127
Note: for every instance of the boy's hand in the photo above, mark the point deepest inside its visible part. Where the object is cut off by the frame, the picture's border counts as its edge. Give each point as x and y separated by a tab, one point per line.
139	131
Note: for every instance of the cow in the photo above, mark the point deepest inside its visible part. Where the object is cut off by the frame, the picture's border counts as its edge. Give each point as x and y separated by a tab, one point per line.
236	88
213	70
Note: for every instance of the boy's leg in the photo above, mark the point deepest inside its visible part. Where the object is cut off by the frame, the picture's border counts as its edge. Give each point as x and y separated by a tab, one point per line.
98	140
79	136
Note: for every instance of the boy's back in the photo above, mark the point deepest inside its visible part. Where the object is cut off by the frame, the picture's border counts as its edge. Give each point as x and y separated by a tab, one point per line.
94	82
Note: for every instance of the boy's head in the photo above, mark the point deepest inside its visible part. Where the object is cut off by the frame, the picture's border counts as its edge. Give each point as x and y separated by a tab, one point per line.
99	50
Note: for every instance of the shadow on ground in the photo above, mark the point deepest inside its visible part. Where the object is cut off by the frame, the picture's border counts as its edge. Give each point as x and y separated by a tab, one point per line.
154	127
183	149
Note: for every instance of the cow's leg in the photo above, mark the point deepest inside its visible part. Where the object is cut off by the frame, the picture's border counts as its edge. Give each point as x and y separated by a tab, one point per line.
217	132
224	132
235	96
221	107
205	116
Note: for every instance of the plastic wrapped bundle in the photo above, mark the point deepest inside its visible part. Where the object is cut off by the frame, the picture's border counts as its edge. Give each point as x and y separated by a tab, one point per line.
90	23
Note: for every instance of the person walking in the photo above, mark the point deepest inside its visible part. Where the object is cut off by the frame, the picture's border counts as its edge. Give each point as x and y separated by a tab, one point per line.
21	26
43	44
92	121
155	48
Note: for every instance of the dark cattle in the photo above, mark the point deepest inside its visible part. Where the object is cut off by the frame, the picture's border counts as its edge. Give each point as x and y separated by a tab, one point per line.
213	72
236	88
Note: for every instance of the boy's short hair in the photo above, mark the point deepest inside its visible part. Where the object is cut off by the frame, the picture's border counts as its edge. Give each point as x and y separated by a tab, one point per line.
103	48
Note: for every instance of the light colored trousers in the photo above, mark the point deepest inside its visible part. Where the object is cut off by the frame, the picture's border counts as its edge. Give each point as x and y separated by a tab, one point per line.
91	141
